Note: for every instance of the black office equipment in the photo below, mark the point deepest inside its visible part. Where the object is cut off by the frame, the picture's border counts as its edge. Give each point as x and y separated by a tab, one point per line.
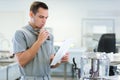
107	43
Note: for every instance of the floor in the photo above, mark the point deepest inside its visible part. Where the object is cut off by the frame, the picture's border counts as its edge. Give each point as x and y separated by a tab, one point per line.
61	78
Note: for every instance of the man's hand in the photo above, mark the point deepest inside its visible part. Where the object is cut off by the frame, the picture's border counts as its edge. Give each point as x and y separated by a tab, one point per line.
43	35
65	58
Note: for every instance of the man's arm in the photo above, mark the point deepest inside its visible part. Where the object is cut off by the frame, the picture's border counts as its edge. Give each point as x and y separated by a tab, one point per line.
26	56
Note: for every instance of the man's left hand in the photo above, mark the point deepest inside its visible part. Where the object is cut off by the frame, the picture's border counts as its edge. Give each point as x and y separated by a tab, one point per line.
65	58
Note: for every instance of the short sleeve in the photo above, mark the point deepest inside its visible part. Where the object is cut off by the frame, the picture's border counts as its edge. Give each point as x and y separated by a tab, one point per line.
18	42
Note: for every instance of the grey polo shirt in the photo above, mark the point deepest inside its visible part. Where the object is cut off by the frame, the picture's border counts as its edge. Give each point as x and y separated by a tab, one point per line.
39	66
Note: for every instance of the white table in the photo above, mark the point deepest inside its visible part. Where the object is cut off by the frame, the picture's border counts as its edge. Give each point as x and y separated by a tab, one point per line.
117	77
114	58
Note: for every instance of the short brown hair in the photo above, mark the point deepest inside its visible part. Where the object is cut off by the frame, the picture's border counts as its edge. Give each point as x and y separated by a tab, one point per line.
36	5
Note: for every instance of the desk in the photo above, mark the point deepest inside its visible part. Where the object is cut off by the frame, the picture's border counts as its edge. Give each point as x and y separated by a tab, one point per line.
114	58
116	77
5	62
10	72
4	66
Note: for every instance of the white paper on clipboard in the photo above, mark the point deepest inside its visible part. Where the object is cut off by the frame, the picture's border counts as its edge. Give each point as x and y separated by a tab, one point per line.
62	51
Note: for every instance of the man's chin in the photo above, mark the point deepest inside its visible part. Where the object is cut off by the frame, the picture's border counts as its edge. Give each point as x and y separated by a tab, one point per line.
37	29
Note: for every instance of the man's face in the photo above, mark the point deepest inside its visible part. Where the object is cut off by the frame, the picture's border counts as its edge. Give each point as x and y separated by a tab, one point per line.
39	19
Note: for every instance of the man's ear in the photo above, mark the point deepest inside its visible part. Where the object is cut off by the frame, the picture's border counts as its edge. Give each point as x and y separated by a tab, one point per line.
31	14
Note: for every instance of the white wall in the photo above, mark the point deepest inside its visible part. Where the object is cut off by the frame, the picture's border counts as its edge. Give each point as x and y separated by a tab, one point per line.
65	16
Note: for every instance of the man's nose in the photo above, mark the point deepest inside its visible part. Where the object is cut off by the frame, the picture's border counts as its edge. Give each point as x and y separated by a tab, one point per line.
44	20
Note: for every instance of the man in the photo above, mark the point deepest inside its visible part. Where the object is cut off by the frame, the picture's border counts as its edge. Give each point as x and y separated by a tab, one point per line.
33	45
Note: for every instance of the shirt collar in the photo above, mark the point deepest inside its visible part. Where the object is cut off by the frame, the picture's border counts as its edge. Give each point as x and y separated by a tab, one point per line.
30	28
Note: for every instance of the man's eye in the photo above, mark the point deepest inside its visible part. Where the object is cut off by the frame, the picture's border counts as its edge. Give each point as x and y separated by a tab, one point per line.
41	16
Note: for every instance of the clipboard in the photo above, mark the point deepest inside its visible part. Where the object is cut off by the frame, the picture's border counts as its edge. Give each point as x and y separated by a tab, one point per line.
62	51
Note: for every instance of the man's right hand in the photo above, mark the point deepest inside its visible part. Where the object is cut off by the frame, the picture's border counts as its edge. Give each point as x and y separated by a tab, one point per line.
43	35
